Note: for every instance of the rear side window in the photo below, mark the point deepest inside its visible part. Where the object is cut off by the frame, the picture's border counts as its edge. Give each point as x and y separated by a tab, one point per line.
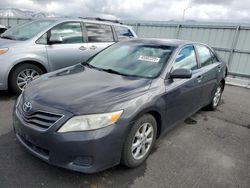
70	32
206	56
186	59
123	33
99	33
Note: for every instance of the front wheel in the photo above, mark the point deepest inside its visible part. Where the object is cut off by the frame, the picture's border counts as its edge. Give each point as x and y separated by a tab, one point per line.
140	141
216	97
22	75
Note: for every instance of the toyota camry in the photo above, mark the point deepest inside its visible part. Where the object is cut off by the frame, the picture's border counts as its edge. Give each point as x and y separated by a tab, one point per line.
112	108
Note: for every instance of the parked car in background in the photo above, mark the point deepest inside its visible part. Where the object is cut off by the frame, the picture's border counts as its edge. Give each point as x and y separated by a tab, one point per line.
45	45
112	108
2	29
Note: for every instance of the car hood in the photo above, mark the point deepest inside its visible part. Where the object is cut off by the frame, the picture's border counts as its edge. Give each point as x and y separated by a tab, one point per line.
83	90
8	42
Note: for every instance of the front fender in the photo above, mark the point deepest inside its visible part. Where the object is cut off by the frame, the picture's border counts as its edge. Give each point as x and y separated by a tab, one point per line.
153	101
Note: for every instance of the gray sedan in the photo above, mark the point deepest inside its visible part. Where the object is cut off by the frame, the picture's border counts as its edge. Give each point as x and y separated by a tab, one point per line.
112	108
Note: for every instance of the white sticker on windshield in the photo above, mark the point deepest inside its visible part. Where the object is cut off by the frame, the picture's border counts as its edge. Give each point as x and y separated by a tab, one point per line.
149	59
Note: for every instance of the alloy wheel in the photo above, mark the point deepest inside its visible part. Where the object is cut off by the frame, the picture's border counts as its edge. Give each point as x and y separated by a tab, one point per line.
25	77
217	96
142	141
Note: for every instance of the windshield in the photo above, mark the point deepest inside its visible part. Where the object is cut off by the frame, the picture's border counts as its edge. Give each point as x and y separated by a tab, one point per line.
28	30
133	59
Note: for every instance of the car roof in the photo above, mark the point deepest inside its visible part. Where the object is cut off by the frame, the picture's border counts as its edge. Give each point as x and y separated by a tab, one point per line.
165	42
94	20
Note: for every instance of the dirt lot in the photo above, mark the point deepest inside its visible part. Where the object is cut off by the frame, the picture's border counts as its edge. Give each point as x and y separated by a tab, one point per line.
210	149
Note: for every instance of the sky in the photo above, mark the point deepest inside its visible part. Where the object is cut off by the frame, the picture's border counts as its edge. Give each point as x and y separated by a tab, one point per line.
161	10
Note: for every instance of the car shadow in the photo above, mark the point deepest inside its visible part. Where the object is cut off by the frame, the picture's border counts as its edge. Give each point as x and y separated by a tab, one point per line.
7	95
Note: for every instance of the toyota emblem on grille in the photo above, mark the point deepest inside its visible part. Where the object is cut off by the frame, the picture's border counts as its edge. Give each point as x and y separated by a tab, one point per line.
27	106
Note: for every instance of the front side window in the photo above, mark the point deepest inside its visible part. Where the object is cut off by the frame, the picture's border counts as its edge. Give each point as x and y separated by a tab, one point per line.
206	56
69	32
133	59
186	59
123	33
99	33
28	30
43	39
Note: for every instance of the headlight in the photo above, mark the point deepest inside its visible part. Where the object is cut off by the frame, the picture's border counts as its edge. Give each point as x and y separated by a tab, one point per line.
90	122
3	50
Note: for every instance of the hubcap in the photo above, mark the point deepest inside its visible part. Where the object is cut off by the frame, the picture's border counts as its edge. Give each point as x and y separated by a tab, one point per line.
142	141
25	77
217	96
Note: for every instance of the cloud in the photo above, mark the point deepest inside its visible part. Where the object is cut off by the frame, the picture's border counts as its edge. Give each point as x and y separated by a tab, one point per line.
140	9
214	2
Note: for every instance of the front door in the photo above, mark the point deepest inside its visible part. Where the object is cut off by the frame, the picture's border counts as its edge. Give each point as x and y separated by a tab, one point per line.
183	95
72	50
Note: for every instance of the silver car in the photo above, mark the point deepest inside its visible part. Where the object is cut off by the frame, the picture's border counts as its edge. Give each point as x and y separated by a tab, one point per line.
31	49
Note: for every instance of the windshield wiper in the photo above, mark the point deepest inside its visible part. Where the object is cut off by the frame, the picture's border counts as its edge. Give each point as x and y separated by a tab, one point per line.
115	72
105	70
8	37
88	65
91	66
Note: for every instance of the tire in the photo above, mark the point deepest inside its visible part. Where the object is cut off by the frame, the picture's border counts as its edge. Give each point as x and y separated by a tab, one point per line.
21	75
215	102
129	157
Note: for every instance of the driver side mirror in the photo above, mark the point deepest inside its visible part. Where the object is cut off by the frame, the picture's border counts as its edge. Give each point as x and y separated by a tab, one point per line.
181	73
55	40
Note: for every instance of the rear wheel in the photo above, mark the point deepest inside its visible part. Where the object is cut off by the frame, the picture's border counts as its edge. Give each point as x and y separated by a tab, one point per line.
140	141
22	75
216	97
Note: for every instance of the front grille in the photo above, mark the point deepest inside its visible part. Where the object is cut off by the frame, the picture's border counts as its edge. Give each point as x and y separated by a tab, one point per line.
39	119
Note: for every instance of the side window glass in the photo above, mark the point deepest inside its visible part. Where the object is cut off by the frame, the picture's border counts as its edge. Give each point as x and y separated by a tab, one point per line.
42	39
99	33
70	33
214	58
206	56
186	59
123	33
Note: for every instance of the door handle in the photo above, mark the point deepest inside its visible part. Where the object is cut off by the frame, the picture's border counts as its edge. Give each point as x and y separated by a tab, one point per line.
93	47
199	78
219	68
82	48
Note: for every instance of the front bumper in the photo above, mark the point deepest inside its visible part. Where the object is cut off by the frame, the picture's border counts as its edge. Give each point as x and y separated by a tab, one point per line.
88	151
4	73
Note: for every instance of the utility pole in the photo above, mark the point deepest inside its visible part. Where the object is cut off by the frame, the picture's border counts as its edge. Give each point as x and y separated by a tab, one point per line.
187	6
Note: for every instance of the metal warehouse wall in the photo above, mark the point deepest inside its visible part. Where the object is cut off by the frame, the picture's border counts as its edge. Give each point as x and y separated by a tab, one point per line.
231	41
10	22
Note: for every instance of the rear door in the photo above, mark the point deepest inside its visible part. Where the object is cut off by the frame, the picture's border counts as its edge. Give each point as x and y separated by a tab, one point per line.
99	36
72	50
210	67
183	95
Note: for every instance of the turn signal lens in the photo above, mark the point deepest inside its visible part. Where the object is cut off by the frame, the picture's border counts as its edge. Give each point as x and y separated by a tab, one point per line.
3	50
